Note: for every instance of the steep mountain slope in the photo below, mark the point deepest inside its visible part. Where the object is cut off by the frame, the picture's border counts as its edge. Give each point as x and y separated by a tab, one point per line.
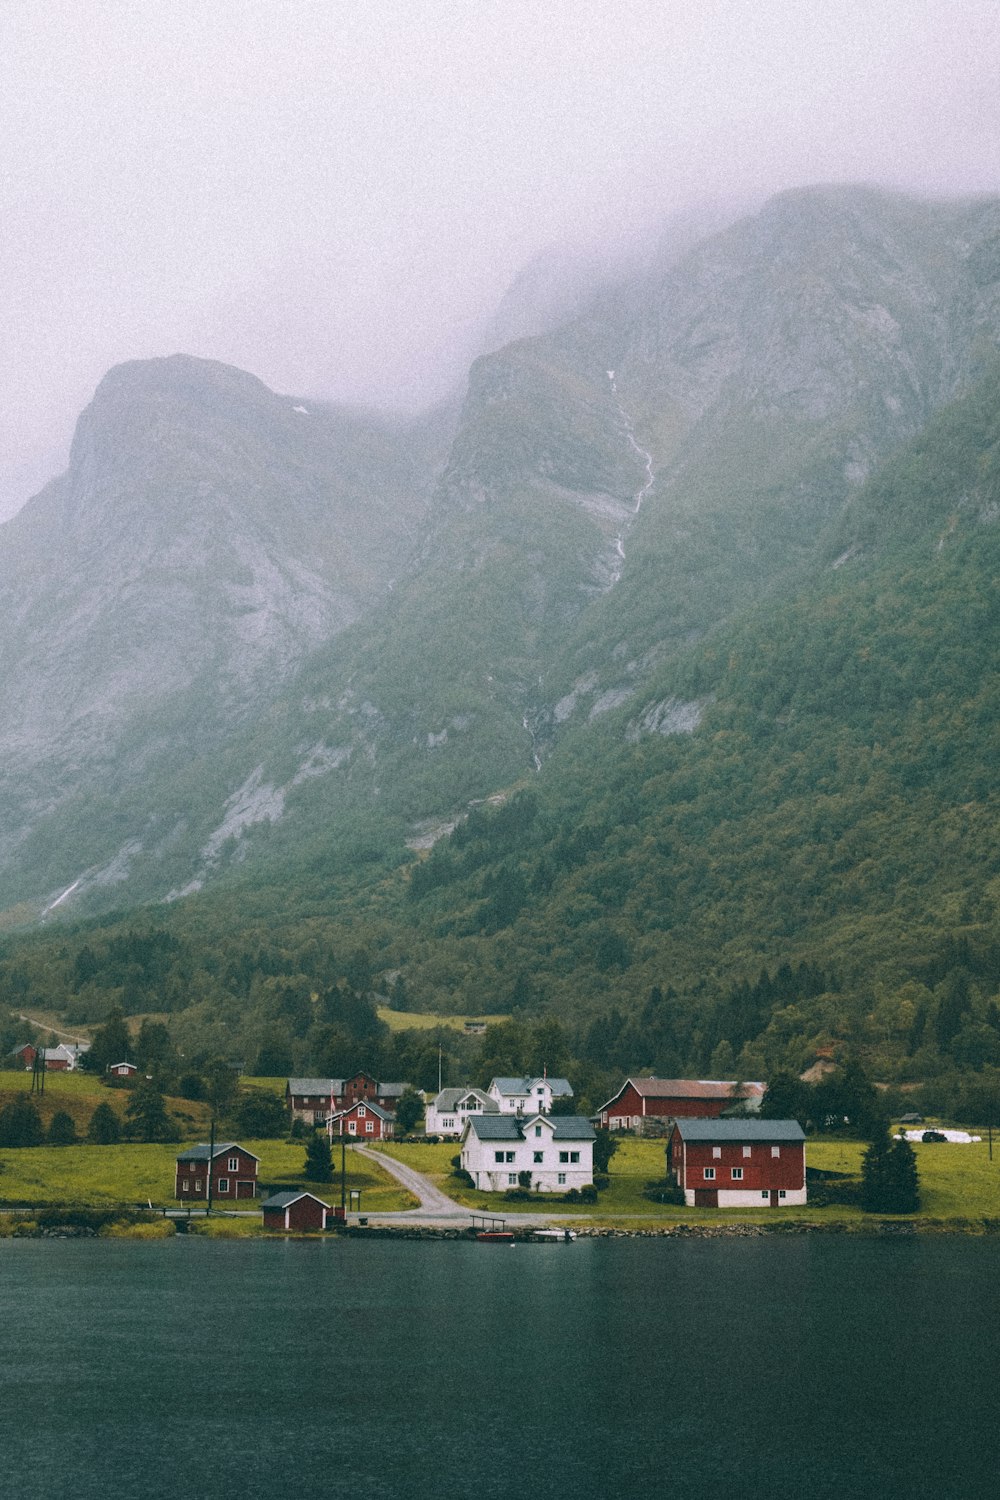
619	492
206	536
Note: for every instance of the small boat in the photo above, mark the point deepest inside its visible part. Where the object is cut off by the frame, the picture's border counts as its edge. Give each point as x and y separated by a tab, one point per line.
495	1236
562	1235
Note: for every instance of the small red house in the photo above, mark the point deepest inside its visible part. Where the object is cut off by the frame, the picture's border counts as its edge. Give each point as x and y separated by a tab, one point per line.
739	1163
314	1100
234	1173
122	1070
295	1211
367	1121
641	1099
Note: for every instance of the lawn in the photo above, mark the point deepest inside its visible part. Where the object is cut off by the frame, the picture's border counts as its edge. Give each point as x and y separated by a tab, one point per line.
957	1182
136	1175
421	1020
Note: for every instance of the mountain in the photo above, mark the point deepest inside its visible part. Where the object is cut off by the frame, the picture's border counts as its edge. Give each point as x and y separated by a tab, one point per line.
206	536
262	649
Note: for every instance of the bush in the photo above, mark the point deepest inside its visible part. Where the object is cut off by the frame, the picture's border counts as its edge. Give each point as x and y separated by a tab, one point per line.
663	1190
462	1176
588	1194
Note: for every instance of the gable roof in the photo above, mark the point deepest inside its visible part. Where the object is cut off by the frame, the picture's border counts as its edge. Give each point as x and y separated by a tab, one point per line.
688	1088
315	1086
369	1104
513	1127
286	1199
451	1097
392	1090
721	1132
202	1152
512	1087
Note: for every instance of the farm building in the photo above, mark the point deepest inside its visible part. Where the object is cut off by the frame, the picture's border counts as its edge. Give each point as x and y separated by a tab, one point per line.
664	1099
295	1210
367	1121
315	1099
234	1173
739	1163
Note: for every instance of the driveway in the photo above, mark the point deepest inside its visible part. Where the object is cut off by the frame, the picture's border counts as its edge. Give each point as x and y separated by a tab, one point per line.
436	1209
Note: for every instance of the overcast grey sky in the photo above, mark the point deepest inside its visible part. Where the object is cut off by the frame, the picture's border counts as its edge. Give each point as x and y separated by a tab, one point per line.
330	193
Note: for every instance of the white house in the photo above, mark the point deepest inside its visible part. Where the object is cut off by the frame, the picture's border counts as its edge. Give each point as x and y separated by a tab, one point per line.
524	1096
452	1107
556	1151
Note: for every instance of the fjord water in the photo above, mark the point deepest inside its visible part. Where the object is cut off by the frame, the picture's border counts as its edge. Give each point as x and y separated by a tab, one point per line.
801	1367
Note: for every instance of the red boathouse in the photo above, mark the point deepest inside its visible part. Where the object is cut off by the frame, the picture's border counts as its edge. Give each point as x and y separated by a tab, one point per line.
739	1163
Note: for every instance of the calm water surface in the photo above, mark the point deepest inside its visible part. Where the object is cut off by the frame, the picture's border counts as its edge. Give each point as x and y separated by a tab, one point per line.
802	1368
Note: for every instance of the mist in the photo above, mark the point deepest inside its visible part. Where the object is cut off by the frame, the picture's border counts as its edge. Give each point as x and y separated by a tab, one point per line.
336	197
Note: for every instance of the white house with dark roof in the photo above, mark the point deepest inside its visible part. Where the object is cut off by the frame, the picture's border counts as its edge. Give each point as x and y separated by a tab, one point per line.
447	1115
525	1096
556	1151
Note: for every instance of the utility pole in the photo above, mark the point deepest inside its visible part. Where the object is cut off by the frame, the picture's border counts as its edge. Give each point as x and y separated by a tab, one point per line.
211	1164
343	1176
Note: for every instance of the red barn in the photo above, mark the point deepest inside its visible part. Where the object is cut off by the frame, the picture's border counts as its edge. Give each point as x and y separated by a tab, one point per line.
739	1163
234	1173
299	1211
367	1121
642	1099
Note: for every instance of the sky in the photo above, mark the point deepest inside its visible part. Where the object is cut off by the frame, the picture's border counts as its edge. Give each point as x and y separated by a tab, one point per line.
335	194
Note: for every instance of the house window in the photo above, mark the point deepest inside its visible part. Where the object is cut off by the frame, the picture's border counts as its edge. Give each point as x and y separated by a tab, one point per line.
538	1130
537	1156
737	1174
775	1150
197	1184
223	1184
370	1127
574	1156
782	1193
498	1156
747	1150
362	1112
185	1187
512	1179
765	1194
564	1156
352	1127
510	1156
709	1174
448	1124
234	1164
716	1150
561	1179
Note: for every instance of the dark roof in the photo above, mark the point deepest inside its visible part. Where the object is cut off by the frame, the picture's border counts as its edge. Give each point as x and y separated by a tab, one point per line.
512	1127
392	1090
325	1086
202	1152
688	1088
559	1087
496	1127
723	1131
376	1109
285	1200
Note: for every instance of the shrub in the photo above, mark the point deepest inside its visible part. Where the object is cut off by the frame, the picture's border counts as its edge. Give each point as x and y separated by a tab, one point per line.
588	1194
663	1190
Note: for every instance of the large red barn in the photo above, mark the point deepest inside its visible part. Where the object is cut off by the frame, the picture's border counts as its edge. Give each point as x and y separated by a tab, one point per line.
739	1163
642	1099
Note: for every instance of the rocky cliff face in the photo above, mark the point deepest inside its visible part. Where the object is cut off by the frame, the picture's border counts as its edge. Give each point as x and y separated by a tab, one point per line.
617	488
207	535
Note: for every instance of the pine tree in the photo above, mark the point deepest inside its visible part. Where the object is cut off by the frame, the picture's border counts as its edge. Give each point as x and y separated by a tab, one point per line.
319	1162
62	1130
146	1116
21	1124
105	1127
889	1180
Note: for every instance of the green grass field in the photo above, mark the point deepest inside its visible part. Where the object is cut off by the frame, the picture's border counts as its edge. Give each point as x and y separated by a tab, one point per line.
957	1182
101	1176
414	1020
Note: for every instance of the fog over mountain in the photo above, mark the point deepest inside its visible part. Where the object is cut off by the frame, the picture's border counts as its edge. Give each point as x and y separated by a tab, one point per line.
336	198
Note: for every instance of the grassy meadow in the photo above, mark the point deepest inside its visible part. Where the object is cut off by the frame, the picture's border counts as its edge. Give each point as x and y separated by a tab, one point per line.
958	1182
